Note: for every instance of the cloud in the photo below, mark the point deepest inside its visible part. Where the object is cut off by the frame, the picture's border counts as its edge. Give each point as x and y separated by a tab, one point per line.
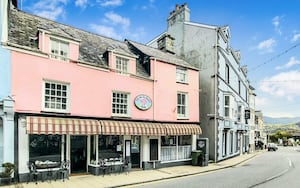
116	19
295	37
276	22
105	31
81	3
106	3
267	45
293	61
283	85
50	9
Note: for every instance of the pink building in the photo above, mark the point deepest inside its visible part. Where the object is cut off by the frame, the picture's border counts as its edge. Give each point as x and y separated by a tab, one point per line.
85	98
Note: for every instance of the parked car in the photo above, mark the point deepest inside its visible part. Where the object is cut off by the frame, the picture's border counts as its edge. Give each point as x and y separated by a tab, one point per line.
272	147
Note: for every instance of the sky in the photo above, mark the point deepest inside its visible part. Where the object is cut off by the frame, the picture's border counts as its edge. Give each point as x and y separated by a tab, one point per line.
267	33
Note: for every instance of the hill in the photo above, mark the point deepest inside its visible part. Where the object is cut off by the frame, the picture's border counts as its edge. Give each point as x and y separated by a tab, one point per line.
281	120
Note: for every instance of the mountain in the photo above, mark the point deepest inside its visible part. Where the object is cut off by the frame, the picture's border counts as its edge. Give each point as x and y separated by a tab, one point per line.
281	120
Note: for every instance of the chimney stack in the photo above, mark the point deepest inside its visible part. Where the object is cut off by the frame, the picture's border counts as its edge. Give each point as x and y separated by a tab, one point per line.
180	14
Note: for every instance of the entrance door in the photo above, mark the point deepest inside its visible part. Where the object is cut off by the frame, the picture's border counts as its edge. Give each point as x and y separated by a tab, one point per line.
135	151
78	154
153	149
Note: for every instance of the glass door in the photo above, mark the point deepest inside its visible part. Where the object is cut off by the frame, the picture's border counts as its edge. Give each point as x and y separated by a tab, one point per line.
78	154
135	151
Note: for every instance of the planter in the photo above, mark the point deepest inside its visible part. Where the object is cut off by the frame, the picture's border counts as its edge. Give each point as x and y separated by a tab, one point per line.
5	181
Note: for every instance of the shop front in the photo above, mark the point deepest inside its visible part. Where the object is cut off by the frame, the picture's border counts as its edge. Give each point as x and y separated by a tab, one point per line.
86	143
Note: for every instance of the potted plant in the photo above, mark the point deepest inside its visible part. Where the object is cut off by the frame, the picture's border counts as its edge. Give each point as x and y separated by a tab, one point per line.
6	174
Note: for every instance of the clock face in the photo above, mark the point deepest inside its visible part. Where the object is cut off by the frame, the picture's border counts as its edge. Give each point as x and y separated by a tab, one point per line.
143	102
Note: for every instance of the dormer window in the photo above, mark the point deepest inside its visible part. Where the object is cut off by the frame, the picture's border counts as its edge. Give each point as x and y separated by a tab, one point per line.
59	49
122	65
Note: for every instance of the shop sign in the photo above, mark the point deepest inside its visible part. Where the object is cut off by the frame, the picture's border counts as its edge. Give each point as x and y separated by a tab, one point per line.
143	102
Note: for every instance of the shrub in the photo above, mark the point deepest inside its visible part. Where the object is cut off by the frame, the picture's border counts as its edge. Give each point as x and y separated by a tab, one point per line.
8	170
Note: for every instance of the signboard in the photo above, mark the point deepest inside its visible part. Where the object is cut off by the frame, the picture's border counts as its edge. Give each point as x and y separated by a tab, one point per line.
143	102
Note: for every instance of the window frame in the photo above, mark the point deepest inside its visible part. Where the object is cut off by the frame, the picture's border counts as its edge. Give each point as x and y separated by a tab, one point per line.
127	114
61	45
184	106
122	65
181	72
227	73
45	94
227	106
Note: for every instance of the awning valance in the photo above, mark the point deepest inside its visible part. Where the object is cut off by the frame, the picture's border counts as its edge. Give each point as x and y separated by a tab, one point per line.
183	129
131	128
53	125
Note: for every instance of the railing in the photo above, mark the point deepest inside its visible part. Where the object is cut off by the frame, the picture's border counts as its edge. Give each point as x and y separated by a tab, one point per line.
169	153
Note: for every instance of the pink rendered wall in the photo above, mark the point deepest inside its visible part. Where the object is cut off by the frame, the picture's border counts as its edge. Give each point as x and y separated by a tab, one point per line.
91	89
166	92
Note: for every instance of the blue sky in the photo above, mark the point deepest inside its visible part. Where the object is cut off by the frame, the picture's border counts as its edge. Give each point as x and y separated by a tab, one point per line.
267	32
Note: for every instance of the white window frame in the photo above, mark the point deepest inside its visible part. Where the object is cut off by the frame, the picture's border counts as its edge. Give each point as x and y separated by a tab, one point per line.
53	98
117	101
182	105
59	49
122	65
227	106
181	75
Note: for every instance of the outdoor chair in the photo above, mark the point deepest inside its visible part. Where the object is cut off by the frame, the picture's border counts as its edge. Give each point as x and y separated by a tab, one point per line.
32	172
64	170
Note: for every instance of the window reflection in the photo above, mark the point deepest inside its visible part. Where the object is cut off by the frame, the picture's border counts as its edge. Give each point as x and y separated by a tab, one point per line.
44	147
110	146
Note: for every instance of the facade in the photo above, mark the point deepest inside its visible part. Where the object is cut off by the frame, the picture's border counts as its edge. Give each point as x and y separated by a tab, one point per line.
260	131
254	132
6	101
223	85
83	97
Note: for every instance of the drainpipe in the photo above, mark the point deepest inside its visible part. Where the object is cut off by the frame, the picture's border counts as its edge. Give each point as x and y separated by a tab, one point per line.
154	93
215	94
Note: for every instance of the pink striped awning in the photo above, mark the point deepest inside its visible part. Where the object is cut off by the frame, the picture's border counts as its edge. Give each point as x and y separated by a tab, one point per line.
131	128
53	125
183	129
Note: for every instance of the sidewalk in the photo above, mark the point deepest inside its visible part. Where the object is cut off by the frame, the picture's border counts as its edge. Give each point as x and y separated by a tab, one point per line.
135	176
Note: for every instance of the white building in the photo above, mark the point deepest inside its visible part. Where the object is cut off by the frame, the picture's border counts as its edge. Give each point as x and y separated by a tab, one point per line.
223	87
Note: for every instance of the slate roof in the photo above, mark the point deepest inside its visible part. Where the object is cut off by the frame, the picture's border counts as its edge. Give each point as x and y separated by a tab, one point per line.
161	55
23	27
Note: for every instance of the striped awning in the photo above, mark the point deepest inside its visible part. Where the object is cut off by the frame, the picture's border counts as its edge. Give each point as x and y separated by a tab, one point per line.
53	125
183	129
131	128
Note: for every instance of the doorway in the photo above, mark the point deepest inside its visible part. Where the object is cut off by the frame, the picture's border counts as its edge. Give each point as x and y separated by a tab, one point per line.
135	151
78	154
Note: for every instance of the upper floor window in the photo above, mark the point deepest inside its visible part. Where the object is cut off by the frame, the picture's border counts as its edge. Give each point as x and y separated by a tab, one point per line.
227	74
182	105
56	96
59	49
120	104
239	113
122	65
227	106
181	75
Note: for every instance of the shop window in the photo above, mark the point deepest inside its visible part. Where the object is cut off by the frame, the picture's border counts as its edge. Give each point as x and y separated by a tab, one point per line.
110	146
45	147
168	140
184	140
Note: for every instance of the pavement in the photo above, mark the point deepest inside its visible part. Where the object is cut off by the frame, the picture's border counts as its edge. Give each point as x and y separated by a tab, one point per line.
136	177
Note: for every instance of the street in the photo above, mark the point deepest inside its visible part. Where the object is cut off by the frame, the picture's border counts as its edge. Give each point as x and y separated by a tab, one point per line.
270	169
